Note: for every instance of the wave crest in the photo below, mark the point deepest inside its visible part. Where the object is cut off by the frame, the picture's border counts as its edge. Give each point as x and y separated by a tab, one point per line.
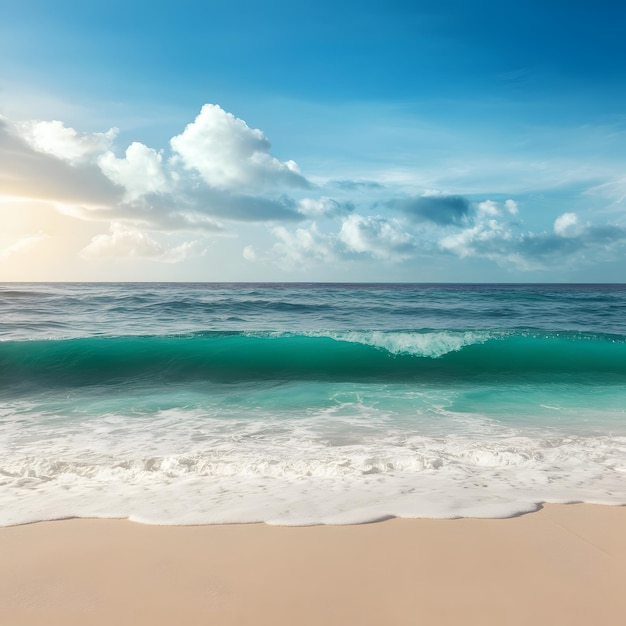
422	344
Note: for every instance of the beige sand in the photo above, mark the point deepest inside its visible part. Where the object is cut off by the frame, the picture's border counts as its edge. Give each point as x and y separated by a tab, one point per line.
561	565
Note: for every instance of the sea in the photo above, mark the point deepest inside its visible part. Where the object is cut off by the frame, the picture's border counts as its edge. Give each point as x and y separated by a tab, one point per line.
301	404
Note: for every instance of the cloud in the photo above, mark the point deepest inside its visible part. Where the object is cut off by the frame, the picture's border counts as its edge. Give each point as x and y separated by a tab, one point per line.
371	237
220	169
27	173
377	236
511	206
191	209
218	173
567	225
487	239
23	245
249	253
243	207
125	242
300	248
439	209
570	241
56	139
488	208
614	190
228	154
323	207
140	172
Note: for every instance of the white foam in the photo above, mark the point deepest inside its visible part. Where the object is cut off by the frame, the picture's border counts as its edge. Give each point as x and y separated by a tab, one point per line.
334	467
425	344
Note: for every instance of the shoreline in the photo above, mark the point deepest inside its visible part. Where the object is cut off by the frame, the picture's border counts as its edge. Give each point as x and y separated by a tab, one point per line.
563	564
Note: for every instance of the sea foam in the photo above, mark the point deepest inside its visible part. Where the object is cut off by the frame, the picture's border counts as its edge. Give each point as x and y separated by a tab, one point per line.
179	467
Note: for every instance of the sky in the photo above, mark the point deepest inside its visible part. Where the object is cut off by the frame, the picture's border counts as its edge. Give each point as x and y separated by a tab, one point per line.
340	141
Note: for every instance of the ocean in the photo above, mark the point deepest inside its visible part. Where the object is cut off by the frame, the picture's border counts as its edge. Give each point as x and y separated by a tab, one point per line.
300	404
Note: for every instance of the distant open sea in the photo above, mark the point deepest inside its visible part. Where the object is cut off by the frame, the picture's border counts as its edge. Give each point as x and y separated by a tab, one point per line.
308	403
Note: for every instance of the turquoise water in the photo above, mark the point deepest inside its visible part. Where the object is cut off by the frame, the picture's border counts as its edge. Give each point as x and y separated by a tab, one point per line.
308	403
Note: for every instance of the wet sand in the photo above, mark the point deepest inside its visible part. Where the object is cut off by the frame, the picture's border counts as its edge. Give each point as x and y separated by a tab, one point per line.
565	564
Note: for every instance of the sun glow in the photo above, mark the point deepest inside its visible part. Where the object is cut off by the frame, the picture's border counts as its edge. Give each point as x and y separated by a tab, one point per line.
37	242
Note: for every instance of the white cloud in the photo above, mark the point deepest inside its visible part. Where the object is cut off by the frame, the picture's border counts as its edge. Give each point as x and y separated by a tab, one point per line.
511	207
567	225
322	207
374	237
486	238
140	172
65	143
377	236
229	154
302	247
249	254
125	242
488	207
240	180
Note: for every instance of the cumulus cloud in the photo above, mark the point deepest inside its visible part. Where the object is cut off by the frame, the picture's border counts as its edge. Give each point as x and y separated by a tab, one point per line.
65	143
511	207
567	225
220	169
301	247
125	242
488	239
140	172
442	210
377	236
228	154
488	208
358	236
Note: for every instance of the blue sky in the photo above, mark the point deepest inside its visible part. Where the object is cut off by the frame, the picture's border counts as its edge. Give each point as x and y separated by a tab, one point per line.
408	141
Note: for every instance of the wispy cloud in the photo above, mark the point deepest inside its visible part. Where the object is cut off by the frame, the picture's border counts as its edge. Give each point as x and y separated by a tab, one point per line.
23	245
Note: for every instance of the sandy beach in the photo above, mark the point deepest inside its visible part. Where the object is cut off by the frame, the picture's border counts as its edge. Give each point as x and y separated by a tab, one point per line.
565	564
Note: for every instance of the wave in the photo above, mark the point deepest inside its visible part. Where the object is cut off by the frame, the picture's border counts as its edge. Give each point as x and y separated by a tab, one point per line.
342	356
